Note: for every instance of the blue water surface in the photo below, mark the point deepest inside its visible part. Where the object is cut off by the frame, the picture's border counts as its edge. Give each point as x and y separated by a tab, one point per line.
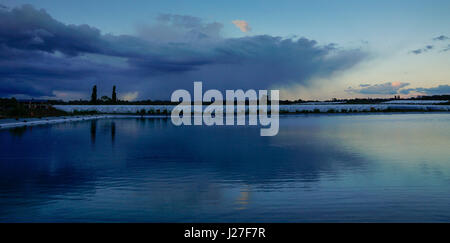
319	168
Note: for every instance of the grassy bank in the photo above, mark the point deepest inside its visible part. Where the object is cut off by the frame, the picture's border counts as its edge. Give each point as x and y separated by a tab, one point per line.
11	108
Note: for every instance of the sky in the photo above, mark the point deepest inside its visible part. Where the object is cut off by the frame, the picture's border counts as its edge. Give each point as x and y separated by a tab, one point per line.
148	49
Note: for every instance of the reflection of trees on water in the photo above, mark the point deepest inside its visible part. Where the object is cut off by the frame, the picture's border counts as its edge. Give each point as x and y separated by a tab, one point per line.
18	131
235	153
113	132
184	165
93	131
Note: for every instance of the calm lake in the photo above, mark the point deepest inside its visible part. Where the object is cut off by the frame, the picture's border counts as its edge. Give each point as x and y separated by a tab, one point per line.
320	168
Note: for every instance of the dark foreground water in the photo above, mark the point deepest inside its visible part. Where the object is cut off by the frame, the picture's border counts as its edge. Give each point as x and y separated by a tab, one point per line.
363	168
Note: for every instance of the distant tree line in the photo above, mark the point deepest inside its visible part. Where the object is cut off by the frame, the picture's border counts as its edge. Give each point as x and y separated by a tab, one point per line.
104	100
432	97
113	100
14	108
380	100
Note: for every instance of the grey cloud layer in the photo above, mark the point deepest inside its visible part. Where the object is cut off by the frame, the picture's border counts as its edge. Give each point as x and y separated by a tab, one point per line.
441	89
40	55
430	47
392	88
388	88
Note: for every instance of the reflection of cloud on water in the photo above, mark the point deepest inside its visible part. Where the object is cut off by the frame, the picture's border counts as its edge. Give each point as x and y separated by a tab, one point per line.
155	171
243	200
405	142
164	168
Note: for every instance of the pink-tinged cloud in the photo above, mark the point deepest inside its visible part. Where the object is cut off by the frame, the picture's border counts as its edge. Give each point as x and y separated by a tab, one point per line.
242	25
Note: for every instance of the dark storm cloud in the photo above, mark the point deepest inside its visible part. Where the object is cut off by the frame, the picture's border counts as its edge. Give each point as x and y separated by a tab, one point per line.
41	53
26	28
388	88
441	89
21	87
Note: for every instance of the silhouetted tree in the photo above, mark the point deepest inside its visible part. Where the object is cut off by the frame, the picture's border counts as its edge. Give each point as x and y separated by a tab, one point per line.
114	95
94	95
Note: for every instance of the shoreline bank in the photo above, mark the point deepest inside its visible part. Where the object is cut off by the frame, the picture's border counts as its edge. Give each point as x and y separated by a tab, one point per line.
20	122
25	122
301	108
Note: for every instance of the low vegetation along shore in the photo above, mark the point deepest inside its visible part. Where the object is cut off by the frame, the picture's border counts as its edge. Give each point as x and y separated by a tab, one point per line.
15	109
284	109
25	116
